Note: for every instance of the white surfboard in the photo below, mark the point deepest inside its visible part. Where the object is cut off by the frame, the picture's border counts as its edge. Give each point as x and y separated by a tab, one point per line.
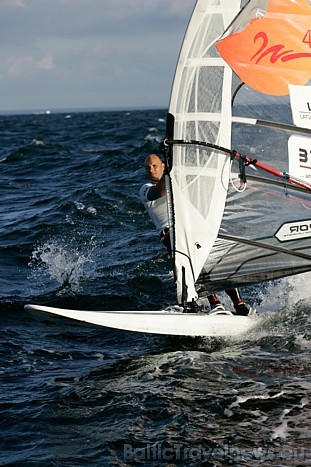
170	322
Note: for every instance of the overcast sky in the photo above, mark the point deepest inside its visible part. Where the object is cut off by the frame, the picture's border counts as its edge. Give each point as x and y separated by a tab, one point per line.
58	54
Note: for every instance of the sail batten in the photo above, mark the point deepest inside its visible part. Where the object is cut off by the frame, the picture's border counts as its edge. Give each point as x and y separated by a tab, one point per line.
280	125
198	117
207	61
271	248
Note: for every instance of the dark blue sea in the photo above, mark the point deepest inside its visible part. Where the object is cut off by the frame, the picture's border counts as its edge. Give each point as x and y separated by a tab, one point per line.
74	234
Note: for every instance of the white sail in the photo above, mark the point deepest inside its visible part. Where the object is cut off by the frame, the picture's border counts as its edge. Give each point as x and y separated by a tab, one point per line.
201	106
227	235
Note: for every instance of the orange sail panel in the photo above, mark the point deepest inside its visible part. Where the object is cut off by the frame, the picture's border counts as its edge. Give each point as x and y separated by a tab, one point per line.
274	49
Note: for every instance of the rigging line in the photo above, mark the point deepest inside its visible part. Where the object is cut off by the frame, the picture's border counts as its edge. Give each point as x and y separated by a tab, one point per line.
259	244
246	159
235	92
243	184
188	258
268	123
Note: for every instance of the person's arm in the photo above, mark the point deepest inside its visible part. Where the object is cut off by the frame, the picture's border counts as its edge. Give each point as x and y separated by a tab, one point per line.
160	187
152	192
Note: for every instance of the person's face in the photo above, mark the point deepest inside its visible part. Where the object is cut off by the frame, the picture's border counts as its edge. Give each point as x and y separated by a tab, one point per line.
154	168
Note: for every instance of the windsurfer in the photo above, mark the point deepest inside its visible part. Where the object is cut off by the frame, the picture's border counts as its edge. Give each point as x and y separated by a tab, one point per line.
153	195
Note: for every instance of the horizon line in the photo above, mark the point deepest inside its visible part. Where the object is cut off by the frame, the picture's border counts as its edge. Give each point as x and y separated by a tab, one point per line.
51	110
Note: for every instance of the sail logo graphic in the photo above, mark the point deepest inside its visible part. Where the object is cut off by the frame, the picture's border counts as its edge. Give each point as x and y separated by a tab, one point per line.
273	50
294	231
299	157
307	38
300	101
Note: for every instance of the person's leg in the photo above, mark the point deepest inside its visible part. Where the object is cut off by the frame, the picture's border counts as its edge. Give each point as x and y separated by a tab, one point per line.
165	239
215	303
238	302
